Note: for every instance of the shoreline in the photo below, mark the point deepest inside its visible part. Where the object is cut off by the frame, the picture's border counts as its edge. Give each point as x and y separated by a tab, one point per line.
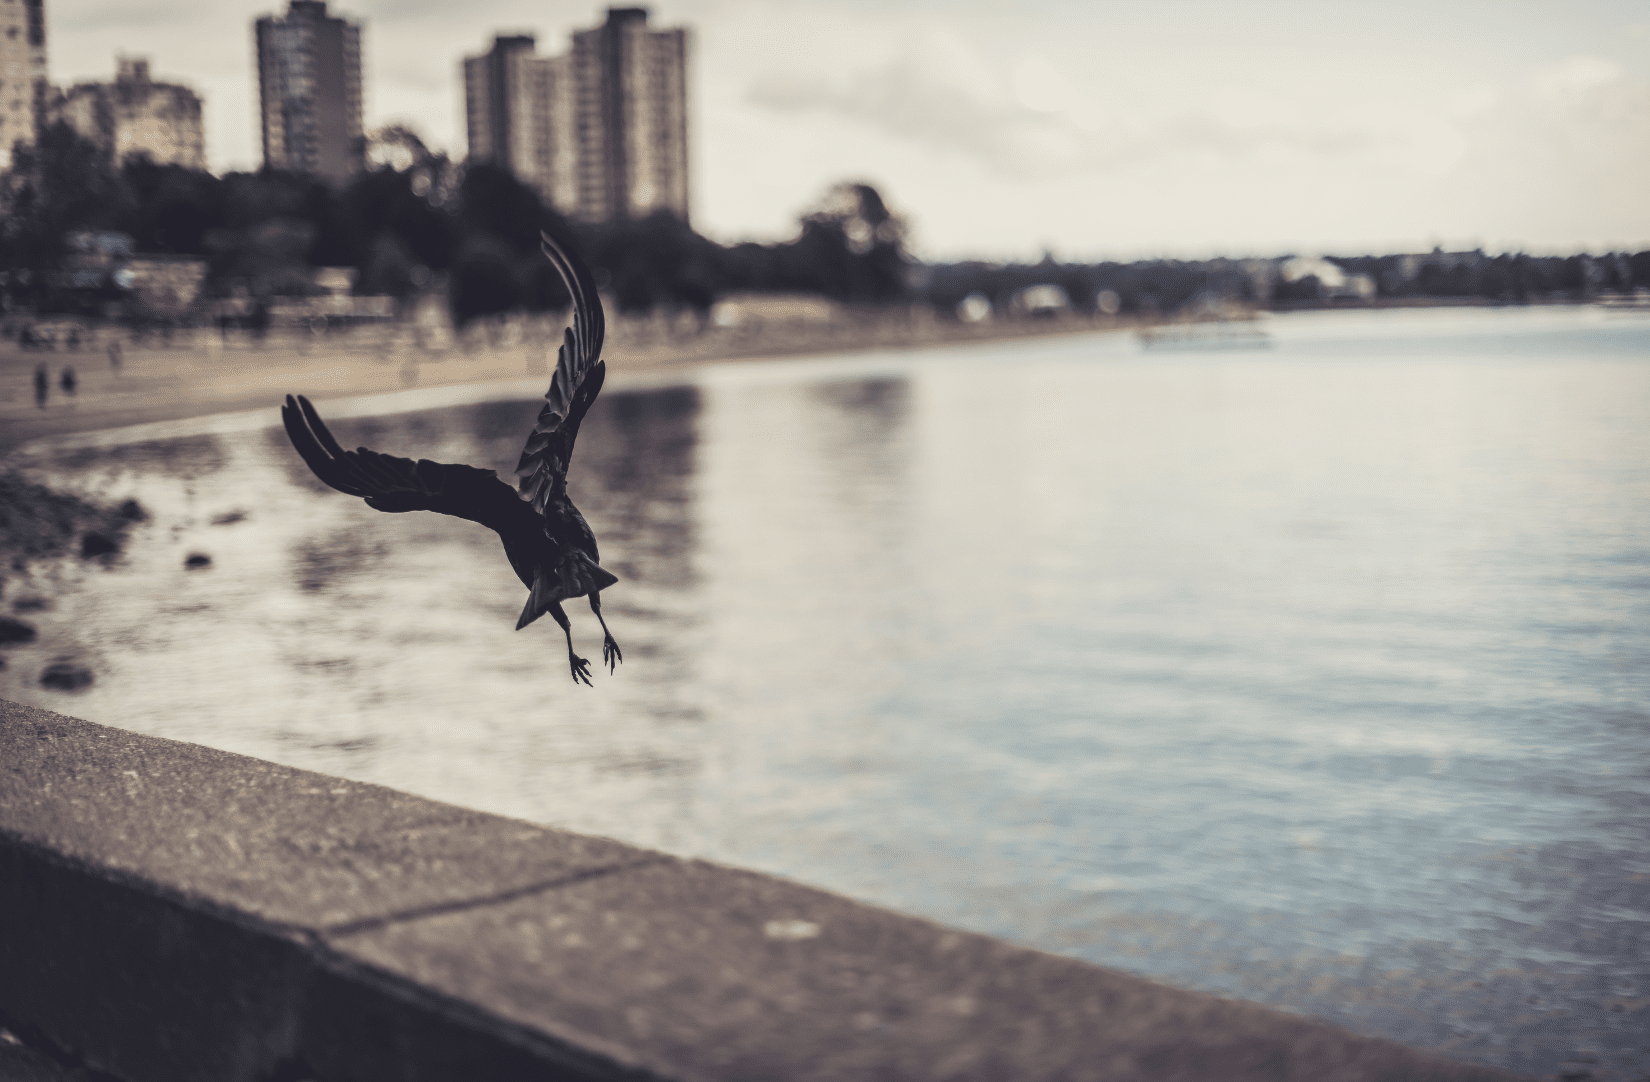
198	376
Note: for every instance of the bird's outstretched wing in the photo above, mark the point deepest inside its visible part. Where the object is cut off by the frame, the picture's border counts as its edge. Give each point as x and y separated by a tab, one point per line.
577	382
388	483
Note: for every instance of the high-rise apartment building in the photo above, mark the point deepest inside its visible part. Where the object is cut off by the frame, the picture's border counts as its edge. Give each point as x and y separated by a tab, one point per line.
492	99
601	132
309	80
135	115
23	87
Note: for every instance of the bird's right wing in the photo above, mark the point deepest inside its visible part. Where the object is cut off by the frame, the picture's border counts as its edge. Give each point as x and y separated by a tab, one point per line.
577	382
389	483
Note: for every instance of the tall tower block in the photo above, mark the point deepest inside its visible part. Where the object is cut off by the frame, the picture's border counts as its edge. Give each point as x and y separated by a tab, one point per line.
24	92
309	80
630	92
601	131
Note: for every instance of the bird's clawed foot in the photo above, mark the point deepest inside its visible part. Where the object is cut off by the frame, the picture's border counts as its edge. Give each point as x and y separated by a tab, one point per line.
610	654
581	669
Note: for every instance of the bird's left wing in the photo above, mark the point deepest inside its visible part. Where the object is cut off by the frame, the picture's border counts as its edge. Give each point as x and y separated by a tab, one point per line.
577	382
388	483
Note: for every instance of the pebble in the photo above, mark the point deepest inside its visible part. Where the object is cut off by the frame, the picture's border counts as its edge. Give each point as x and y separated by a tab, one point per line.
66	676
15	631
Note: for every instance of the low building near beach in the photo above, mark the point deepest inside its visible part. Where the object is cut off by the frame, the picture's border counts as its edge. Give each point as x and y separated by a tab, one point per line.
135	116
753	310
164	285
1044	300
1332	282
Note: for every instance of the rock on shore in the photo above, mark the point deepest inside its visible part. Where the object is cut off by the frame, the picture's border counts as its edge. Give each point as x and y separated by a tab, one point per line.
37	523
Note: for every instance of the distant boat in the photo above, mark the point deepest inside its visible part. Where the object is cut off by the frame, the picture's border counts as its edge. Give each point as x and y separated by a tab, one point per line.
1209	334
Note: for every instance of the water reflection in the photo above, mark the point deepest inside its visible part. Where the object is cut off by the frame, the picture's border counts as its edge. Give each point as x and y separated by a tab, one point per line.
318	562
186	457
636	467
1315	677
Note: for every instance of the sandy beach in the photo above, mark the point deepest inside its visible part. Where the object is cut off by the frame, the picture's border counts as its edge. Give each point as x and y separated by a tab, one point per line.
198	373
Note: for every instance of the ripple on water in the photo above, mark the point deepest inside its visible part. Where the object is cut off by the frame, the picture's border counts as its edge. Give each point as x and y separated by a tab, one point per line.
1316	677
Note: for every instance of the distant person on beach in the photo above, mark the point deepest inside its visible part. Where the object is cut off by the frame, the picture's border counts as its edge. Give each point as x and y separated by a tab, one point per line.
114	353
259	321
68	382
42	386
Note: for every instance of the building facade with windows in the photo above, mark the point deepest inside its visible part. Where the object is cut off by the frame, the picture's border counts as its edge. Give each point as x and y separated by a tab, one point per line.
309	82
135	116
23	88
601	131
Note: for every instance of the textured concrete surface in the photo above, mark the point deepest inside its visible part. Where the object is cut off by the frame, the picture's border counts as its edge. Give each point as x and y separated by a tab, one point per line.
192	914
285	845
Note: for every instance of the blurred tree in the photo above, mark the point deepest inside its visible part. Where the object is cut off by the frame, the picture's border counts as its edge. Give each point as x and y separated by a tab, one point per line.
492	201
276	227
656	261
485	281
1498	282
268	258
62	184
1615	273
852	247
395	147
499	267
1639	264
389	269
401	231
1570	275
171	208
1308	288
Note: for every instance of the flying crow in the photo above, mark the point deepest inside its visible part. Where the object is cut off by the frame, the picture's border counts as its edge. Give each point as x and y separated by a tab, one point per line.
545	538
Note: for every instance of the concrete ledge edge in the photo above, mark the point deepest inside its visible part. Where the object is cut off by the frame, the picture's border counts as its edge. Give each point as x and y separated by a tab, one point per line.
376	935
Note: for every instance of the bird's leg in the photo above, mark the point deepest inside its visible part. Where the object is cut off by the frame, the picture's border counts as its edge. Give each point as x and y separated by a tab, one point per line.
610	646
581	667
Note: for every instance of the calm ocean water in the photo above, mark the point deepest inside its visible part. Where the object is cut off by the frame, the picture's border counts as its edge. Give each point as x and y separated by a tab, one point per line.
1316	675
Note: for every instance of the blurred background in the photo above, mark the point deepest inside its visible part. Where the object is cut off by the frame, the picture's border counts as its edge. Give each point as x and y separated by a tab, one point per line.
1161	483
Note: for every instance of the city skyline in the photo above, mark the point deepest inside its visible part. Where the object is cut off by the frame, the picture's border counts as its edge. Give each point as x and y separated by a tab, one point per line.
1108	130
600	130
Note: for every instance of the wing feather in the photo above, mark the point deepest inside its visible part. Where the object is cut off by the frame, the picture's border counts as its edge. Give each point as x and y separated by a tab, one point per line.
389	483
577	380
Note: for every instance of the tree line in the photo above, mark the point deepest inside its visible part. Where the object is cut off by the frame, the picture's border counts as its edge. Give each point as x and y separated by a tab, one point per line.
415	222
1165	286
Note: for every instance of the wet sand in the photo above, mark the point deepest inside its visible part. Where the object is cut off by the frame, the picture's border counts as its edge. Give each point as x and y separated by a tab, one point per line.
198	373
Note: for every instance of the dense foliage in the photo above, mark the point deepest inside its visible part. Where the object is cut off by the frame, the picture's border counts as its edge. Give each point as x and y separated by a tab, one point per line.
415	221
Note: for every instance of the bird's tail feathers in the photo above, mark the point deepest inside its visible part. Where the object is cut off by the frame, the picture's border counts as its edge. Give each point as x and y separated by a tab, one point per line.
529	613
546	591
576	577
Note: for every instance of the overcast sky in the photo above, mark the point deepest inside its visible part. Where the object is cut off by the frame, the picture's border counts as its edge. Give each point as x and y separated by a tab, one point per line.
1103	128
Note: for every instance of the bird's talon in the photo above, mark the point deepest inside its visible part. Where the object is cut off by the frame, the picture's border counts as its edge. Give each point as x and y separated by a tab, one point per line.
581	671
611	655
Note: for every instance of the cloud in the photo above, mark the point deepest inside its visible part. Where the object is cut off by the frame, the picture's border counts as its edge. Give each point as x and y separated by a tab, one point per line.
1575	77
1579	113
937	92
1555	157
1030	122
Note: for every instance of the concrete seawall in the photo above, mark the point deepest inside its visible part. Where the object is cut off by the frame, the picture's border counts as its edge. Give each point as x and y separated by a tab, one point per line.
171	913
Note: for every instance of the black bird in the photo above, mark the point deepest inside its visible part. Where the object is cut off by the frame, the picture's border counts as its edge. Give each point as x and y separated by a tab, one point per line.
545	538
